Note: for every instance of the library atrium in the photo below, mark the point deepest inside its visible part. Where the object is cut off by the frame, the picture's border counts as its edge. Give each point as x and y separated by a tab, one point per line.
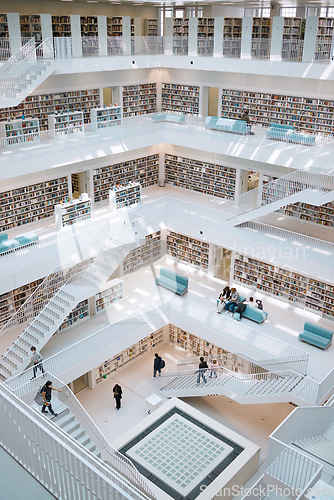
155	155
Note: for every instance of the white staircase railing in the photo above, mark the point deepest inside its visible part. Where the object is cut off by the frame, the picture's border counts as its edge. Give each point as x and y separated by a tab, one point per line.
313	188
25	70
26	434
57	297
110	456
252	388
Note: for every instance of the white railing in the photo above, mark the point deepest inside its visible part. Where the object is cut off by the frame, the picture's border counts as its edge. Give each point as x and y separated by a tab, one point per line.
114	45
231	47
65	468
151	45
4	49
292	50
295	363
90	46
283	187
205	46
260	48
323	52
180	45
62	47
118	462
80	352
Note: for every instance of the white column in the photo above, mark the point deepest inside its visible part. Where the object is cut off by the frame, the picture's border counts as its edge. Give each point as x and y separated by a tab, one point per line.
46	24
161	166
126	36
192	40
246	37
76	35
276	38
168	36
102	32
310	38
14	32
138	33
218	37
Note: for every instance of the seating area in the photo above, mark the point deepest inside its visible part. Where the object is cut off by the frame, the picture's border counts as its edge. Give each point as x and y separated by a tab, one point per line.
172	281
17	243
316	335
168	117
226	125
287	133
252	313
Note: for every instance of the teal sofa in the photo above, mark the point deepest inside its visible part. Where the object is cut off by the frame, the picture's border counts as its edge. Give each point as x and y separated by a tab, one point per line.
316	335
167	117
253	313
172	281
287	133
226	125
24	240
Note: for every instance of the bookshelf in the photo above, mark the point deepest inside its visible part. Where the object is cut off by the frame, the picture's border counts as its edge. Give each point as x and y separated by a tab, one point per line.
78	314
323	215
17	131
114	29
232	31
201	347
89	26
180	98
4	31
109	292
305	113
144	170
121	195
61	26
72	212
205	35
41	106
150	27
31	27
11	301
302	290
293	36
187	249
106	117
139	99
261	30
200	176
324	39
144	254
180	35
66	123
108	367
31	203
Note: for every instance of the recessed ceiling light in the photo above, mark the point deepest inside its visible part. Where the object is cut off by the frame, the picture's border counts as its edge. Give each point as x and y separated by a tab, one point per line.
66	0
92	1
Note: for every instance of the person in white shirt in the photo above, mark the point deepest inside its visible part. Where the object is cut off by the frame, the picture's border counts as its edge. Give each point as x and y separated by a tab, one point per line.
37	359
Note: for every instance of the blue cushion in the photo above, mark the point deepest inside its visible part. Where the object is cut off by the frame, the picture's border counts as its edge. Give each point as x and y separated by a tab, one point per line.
3	237
255	314
160	117
282	126
240	127
6	246
318	330
175	118
173	281
27	239
210	121
313	339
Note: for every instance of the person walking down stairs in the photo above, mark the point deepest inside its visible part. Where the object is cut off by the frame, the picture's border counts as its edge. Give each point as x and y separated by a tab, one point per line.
202	367
46	394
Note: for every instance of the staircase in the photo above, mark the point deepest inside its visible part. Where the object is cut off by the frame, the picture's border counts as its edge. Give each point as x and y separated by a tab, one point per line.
299	186
74	290
25	71
321	447
265	387
67	422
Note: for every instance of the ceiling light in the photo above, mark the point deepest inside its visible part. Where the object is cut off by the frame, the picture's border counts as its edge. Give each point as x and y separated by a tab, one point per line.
92	1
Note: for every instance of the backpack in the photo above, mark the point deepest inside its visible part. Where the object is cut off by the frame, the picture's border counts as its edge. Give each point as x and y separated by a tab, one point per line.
39	398
162	364
259	304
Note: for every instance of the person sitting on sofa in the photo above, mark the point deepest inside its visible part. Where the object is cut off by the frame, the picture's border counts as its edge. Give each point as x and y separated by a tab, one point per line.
232	304
223	298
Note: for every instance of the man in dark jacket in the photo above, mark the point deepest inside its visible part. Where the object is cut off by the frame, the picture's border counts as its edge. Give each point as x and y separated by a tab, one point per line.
202	367
117	390
157	365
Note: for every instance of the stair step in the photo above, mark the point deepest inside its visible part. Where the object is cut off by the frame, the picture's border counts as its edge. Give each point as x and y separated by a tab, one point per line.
90	446
46	318
97	453
15	356
83	440
4	370
78	433
71	426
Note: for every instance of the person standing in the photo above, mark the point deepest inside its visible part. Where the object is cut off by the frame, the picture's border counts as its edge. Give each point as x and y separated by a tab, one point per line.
46	395
157	365
202	367
37	359
213	369
117	390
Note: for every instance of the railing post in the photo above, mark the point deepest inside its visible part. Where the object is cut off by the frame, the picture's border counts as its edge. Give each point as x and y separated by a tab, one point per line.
276	39
76	35
102	31
218	37
311	30
246	37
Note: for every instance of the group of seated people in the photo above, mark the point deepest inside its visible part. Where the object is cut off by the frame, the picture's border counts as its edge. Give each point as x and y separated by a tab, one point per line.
229	300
